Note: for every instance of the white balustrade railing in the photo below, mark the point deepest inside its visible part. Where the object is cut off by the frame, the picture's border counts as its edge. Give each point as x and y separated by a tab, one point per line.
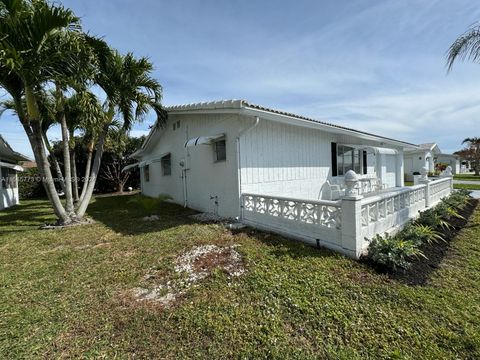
345	224
439	189
381	212
321	213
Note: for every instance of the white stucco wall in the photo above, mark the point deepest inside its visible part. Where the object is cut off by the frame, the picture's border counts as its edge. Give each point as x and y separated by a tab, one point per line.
275	158
414	161
205	178
8	197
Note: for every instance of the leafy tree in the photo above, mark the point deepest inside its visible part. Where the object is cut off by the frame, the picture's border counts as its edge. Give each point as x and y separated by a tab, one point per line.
472	152
118	146
47	65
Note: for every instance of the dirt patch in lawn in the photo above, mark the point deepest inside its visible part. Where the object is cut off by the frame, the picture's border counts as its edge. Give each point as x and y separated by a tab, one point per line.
191	267
420	271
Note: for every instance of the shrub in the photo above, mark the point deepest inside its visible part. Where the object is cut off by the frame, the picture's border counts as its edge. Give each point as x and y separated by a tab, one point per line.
30	185
420	234
393	252
397	251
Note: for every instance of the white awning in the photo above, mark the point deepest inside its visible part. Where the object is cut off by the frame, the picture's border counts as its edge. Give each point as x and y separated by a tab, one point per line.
11	166
376	149
131	166
203	140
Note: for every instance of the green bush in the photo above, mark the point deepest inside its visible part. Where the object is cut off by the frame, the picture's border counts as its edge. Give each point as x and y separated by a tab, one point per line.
30	185
393	252
397	251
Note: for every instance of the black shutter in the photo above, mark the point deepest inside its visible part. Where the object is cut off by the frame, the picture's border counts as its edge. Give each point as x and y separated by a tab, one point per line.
334	159
364	162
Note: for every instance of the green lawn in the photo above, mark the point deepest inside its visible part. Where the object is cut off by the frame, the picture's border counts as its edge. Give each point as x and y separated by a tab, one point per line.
469	177
467	186
67	293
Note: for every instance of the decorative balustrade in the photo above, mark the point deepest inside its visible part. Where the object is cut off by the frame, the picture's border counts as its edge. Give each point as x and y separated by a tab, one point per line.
321	213
346	224
377	208
439	189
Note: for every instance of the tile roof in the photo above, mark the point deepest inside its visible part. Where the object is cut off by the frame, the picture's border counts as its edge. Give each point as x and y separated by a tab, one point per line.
239	104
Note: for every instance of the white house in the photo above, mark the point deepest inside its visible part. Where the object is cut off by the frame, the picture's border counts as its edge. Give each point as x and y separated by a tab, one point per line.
279	171
9	167
428	155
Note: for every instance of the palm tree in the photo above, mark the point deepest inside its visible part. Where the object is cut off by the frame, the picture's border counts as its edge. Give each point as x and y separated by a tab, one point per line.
35	48
131	93
473	144
467	46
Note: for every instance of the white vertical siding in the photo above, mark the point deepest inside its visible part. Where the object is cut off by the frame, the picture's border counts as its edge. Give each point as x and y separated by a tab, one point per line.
206	179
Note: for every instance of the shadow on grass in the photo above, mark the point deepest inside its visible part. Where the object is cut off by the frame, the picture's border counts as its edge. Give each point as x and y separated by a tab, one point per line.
125	217
28	214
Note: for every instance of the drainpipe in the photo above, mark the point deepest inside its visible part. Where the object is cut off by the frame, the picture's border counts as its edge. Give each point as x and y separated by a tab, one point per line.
239	175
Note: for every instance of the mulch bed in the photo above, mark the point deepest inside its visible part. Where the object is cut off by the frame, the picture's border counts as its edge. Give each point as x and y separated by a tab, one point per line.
420	271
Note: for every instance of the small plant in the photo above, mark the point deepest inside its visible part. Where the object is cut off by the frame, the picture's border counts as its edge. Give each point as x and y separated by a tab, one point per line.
393	252
420	234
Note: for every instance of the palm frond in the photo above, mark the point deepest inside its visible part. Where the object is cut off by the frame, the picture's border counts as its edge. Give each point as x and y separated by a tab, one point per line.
467	46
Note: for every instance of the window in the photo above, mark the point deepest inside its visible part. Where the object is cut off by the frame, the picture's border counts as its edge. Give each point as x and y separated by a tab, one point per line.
346	158
146	173
8	178
166	162
220	150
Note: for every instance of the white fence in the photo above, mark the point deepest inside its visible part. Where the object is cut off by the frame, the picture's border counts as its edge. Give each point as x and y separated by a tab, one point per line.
318	222
344	225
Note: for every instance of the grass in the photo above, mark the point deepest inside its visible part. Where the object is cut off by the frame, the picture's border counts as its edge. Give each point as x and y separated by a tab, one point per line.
64	293
469	177
467	186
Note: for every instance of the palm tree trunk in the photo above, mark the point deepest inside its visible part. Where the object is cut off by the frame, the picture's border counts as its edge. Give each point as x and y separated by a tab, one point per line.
56	165
66	151
34	132
93	176
73	163
66	165
87	170
43	164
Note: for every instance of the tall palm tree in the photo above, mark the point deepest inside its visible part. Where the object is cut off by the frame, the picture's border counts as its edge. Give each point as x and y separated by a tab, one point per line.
467	46
473	145
131	92
34	50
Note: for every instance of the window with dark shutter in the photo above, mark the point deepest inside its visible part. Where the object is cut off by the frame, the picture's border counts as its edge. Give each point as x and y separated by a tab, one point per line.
334	158
364	163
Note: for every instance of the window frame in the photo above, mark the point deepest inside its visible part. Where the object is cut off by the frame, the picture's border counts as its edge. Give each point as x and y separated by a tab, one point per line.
216	152
163	160
356	164
146	173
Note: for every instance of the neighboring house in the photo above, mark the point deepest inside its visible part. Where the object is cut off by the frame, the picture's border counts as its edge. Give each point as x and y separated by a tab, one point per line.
450	160
428	155
9	167
268	168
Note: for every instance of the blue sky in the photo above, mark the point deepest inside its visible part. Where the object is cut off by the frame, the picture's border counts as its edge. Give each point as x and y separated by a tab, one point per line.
377	66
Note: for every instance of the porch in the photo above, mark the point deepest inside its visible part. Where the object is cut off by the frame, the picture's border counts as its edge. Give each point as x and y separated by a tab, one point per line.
344	225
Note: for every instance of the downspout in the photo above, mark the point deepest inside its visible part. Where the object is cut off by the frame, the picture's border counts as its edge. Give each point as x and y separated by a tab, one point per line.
239	175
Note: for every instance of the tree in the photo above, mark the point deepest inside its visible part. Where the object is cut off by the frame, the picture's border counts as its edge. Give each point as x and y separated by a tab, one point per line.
44	51
467	46
36	48
472	152
130	93
118	146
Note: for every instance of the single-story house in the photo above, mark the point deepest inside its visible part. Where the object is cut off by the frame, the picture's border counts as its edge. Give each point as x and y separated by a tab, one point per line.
9	167
428	155
268	168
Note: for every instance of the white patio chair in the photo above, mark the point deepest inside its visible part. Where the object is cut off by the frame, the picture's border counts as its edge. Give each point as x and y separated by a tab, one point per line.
330	191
